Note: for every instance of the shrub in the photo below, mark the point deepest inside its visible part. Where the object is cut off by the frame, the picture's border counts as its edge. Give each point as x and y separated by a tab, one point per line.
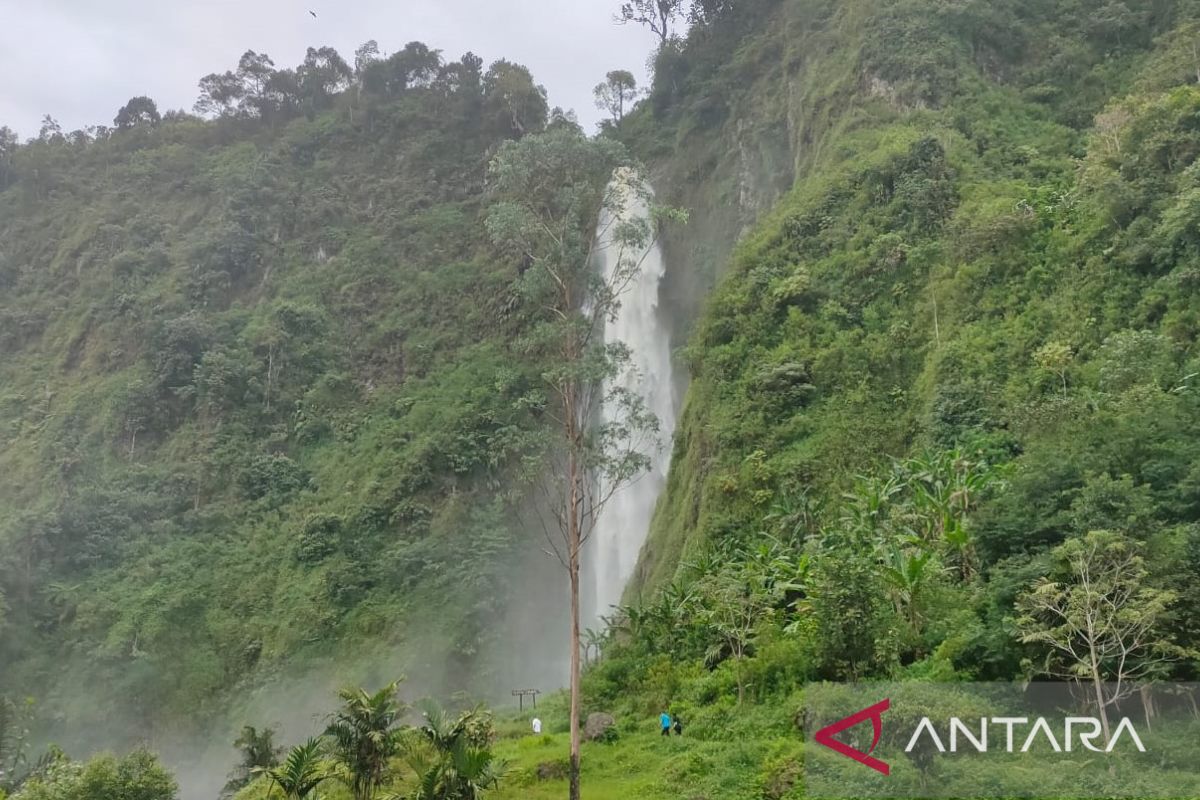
137	776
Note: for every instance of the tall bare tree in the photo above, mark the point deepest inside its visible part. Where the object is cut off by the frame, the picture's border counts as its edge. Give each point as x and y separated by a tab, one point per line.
550	189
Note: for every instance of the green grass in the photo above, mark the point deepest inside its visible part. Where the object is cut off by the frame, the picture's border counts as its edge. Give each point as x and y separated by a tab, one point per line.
641	763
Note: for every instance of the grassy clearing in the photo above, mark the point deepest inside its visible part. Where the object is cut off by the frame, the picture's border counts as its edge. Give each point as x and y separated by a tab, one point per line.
641	763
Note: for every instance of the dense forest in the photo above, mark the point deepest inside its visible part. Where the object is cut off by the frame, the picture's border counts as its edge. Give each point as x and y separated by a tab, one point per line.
266	377
258	405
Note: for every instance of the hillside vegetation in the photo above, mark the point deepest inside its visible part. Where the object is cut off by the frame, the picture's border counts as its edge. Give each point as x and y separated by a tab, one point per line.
952	367
260	406
256	403
961	345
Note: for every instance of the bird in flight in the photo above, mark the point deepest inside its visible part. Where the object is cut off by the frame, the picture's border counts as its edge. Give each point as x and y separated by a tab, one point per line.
314	14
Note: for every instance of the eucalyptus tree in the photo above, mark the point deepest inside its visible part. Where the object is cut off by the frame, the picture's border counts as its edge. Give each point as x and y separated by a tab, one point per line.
138	111
365	55
8	147
219	94
549	190
513	103
657	15
616	93
323	74
254	72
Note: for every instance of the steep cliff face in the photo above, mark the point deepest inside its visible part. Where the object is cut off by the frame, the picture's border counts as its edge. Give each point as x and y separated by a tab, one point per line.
902	206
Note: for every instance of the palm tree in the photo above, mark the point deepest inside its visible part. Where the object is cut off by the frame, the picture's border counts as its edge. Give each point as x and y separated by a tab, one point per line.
258	753
301	772
365	737
593	641
452	759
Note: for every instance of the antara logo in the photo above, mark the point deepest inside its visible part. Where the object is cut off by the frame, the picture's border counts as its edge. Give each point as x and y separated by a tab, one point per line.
873	713
1085	729
1040	728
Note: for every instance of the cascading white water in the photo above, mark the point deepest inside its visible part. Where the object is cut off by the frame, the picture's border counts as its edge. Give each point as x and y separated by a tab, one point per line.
622	527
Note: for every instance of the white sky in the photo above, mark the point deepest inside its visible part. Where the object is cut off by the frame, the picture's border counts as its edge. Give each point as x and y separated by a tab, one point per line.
80	60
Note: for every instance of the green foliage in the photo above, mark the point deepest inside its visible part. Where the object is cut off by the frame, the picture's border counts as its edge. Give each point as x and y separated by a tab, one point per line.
660	16
1095	616
268	379
616	94
365	736
964	335
15	719
258	753
452	759
550	189
366	750
138	111
302	771
137	776
260	387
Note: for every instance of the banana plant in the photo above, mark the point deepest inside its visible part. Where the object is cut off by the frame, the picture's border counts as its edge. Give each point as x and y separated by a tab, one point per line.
907	572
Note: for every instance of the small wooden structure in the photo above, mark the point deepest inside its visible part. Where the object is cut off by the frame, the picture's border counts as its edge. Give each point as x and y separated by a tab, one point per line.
521	694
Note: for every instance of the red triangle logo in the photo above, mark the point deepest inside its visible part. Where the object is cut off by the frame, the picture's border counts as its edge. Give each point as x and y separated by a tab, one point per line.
873	713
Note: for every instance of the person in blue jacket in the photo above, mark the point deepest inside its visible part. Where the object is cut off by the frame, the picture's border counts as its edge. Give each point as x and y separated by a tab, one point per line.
665	720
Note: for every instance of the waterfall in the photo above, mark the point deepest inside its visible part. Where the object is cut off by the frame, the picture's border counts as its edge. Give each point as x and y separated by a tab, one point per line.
624	523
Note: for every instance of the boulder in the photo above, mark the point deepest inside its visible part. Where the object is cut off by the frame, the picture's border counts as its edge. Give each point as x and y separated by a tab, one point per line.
598	726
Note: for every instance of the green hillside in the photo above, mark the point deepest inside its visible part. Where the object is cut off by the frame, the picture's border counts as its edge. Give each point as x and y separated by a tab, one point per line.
938	306
256	402
982	251
960	347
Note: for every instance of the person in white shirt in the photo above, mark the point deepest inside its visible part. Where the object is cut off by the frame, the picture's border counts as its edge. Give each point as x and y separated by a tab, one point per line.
537	726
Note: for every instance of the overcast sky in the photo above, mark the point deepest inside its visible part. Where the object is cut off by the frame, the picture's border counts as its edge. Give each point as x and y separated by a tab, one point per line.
80	60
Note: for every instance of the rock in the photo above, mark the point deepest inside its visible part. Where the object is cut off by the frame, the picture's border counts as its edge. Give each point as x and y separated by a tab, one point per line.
553	770
597	726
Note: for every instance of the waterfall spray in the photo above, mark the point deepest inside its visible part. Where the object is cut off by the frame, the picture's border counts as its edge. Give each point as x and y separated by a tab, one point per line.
621	530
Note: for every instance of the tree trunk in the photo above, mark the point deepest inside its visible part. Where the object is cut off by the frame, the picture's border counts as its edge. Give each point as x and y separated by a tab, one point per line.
573	547
1147	706
1098	685
270	373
